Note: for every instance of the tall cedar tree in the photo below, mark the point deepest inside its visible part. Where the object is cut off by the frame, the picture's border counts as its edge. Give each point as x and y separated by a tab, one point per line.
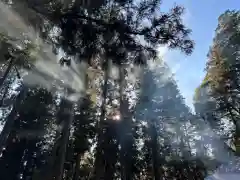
162	107
222	77
22	154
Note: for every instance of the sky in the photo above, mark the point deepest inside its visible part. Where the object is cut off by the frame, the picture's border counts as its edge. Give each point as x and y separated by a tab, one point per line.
202	17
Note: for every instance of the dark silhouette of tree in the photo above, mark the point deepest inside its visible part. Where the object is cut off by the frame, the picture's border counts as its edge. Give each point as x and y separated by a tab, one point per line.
83	136
163	115
26	135
114	31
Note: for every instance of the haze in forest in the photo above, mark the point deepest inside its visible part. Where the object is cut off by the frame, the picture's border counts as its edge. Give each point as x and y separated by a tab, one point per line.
81	102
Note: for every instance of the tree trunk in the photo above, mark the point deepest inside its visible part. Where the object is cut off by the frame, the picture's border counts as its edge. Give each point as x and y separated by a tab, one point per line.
49	171
10	65
122	135
154	148
4	94
124	131
111	148
55	167
66	113
10	119
77	167
99	164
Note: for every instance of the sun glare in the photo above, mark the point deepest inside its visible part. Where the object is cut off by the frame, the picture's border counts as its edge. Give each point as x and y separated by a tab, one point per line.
116	117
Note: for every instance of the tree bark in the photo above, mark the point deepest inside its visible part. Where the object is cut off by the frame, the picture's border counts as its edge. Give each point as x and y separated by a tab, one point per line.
55	167
10	119
68	118
124	131
122	135
4	94
10	65
77	167
99	165
154	148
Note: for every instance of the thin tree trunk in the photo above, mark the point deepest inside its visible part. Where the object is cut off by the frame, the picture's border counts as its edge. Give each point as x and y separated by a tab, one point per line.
10	119
48	172
154	148
125	131
111	149
10	65
73	170
122	134
79	156
55	167
77	167
99	161
4	94
65	137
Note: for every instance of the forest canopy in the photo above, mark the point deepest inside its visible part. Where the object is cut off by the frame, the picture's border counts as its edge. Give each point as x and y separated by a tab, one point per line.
79	99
